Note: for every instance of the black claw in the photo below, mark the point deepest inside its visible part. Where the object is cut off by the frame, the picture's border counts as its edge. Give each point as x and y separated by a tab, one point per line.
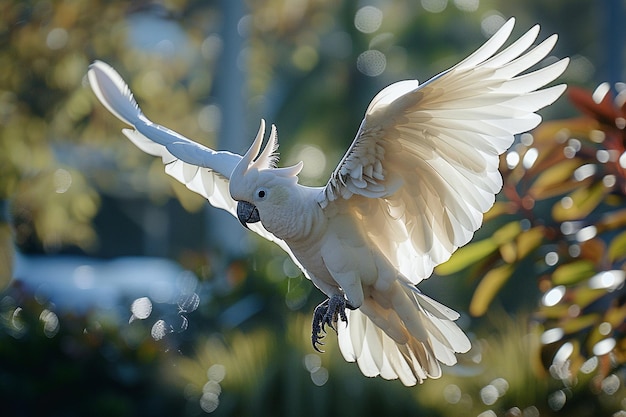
328	314
318	325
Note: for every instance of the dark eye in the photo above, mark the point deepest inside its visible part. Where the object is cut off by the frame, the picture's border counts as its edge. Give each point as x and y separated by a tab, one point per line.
261	193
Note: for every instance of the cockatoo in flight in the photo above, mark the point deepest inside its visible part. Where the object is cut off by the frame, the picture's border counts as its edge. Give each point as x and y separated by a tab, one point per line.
411	189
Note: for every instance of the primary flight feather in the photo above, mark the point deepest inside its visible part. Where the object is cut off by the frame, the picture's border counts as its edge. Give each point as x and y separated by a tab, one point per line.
410	190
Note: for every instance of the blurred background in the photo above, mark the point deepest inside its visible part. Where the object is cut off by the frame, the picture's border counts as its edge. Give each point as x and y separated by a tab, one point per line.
125	294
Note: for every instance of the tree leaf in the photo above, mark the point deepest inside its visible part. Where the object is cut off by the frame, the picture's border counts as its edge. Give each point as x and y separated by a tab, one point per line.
507	233
617	247
584	296
579	323
488	288
604	112
508	252
467	256
573	272
529	240
556	180
582	202
498	209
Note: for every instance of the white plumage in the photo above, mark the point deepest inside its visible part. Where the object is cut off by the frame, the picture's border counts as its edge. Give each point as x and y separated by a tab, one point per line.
410	190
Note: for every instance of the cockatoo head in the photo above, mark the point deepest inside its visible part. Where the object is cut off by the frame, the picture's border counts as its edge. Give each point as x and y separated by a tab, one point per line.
262	190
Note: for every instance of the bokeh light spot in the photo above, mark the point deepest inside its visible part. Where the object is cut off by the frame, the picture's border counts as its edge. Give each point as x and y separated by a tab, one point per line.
610	384
609	280
603	156
57	38
371	63
589	365
368	19
600	92
314	161
452	393
216	372
605	328
556	400
586	233
467	5
188	302
552	297
312	362
290	269
209	402
585	171
62	180
604	347
434	6
489	394
491	23
530	157
141	308
567	202
531	411
160	329
320	376
609	181
551	258
512	159
50	323
551	335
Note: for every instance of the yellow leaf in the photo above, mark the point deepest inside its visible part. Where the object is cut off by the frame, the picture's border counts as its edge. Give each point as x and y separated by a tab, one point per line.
529	241
556	312
617	248
584	296
573	272
508	252
554	180
507	232
579	203
467	255
488	288
579	323
498	209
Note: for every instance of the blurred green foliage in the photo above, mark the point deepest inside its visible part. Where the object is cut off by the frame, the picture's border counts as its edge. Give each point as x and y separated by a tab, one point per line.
561	226
311	67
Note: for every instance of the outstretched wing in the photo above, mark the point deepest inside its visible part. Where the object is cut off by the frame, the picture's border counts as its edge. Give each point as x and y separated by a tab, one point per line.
424	165
201	169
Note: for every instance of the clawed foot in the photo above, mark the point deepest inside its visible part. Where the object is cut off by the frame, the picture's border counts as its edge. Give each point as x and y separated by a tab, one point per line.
328	313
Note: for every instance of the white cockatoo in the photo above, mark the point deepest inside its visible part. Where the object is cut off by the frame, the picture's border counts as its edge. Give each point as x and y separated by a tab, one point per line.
410	190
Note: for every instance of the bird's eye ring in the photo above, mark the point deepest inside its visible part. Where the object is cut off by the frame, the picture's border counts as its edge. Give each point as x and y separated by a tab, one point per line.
261	193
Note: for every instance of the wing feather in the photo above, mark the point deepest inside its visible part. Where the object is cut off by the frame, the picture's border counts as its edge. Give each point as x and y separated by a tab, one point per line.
424	164
201	169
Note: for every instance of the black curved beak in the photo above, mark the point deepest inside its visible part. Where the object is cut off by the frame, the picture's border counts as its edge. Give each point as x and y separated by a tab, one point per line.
247	213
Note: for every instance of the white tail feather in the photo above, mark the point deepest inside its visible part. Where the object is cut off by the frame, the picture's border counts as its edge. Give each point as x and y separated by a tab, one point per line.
407	340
